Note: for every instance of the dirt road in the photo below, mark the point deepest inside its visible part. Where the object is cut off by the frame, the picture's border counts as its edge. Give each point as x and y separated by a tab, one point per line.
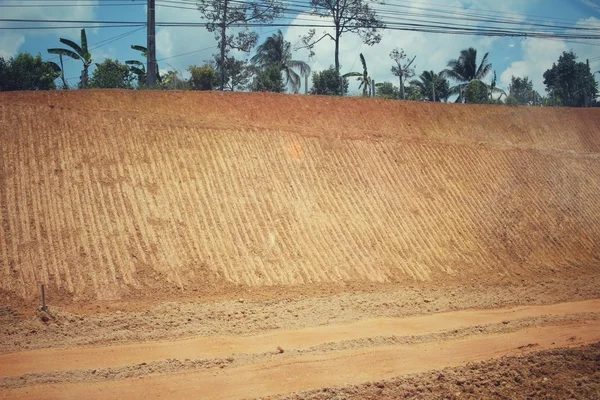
284	362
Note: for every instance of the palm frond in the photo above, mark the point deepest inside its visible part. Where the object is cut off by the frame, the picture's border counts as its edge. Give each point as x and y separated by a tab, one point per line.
453	64
364	63
135	62
299	65
54	66
139	72
84	44
141	49
72	45
452	74
65	52
483	71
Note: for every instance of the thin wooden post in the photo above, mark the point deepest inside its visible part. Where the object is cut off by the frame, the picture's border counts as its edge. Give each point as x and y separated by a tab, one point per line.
43	297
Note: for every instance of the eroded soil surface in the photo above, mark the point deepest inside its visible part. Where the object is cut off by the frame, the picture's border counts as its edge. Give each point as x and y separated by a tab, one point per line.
392	343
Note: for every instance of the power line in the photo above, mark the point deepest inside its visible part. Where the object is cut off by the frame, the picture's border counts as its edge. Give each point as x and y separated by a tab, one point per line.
426	26
428	7
189	52
69	5
105	42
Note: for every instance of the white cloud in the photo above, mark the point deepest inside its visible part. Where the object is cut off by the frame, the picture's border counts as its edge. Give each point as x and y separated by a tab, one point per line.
590	3
11	41
432	50
539	54
174	41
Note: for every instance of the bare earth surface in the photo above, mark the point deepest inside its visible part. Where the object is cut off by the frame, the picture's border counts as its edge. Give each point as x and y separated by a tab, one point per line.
308	355
130	196
227	246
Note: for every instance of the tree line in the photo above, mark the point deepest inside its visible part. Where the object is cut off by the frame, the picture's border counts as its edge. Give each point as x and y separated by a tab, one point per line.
272	68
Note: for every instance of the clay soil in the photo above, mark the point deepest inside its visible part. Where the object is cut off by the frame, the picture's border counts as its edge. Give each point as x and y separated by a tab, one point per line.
229	246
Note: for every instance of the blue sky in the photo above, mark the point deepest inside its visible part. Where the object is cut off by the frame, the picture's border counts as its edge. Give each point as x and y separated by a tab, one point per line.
509	56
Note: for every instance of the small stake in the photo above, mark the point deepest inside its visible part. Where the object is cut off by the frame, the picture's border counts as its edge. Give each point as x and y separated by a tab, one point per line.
43	297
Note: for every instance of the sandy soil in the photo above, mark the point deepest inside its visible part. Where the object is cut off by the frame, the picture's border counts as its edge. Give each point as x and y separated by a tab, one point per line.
131	196
553	374
302	354
304	360
101	323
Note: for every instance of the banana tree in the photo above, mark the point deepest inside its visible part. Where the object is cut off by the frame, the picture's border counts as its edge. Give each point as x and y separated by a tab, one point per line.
363	78
76	52
62	73
59	68
494	89
139	68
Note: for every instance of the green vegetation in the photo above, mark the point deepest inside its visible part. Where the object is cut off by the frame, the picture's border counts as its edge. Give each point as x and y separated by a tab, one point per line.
77	52
432	86
348	16
111	74
225	14
466	79
138	68
571	83
327	83
26	72
276	54
363	78
464	69
268	79
203	78
386	90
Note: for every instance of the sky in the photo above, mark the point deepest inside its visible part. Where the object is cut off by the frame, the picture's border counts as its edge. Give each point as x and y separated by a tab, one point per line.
180	47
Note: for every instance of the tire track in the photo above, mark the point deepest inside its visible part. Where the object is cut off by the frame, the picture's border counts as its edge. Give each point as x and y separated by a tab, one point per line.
308	372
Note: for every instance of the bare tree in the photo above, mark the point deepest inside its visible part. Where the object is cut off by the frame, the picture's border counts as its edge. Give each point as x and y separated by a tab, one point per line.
225	14
402	69
349	16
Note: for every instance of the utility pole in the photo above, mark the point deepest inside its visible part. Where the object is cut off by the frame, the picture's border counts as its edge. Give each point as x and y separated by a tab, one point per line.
223	39
151	45
433	89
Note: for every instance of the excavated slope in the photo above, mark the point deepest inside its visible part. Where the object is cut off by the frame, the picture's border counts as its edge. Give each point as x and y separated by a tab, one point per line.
108	193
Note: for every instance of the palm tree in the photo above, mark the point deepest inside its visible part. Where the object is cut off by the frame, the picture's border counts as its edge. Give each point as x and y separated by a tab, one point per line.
464	69
364	79
432	86
276	50
78	53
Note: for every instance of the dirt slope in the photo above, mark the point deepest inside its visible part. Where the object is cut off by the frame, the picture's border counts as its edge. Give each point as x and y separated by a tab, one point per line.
114	195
